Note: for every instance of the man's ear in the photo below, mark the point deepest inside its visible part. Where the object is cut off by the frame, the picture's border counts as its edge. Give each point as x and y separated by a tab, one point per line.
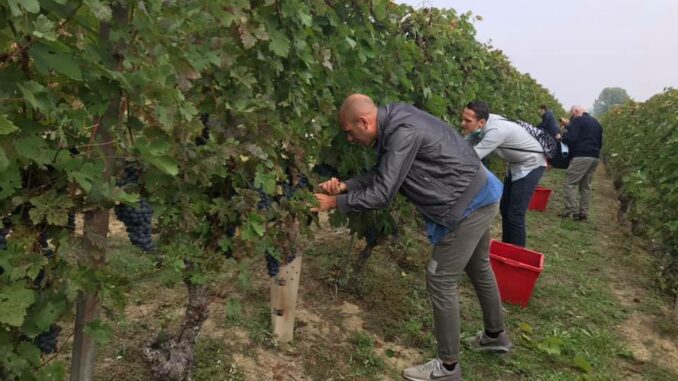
364	122
482	122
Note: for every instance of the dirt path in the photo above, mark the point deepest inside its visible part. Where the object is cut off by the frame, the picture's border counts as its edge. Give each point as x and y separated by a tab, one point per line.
645	331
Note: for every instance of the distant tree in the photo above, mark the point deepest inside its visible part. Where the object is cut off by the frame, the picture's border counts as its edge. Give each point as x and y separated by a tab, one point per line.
608	98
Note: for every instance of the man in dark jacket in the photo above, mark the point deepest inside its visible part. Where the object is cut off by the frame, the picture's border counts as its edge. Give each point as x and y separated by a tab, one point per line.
585	138
548	122
430	163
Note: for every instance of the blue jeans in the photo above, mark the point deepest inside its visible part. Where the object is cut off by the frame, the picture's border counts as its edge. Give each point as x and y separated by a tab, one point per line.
513	205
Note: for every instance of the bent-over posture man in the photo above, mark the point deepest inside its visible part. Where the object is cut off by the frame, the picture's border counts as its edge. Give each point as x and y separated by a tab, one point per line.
430	163
524	156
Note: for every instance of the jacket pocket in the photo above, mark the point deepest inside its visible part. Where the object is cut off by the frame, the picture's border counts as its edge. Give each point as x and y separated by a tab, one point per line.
430	182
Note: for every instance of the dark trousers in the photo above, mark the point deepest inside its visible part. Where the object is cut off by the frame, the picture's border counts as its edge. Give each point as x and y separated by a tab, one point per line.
513	206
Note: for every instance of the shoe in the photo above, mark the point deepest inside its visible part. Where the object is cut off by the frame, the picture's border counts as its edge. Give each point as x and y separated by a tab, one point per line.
581	217
568	215
483	343
432	370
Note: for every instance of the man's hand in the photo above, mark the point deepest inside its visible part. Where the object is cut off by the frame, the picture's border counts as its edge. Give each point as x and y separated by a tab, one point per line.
333	186
325	202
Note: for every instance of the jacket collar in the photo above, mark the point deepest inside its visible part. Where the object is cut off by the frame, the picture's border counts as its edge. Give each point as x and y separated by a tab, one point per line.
383	117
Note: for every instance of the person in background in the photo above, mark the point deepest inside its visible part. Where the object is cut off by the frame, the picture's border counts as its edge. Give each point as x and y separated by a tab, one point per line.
563	123
429	162
524	156
548	122
585	139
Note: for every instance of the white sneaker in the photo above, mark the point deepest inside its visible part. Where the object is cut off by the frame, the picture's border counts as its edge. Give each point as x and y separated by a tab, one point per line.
432	370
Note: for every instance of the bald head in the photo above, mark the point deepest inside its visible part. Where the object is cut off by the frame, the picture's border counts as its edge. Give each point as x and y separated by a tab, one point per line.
577	110
354	106
358	119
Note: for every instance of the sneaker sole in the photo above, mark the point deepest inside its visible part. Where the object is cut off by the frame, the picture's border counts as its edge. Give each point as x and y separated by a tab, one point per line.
429	379
493	349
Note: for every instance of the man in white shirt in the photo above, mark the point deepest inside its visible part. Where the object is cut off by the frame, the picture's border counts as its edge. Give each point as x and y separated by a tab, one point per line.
525	163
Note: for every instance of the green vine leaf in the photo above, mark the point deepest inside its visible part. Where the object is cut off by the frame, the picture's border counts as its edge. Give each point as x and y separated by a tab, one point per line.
44	28
47	58
6	125
10	181
99	331
255	227
42	315
4	162
35	149
35	94
51	207
157	154
15	300
101	11
279	44
30	6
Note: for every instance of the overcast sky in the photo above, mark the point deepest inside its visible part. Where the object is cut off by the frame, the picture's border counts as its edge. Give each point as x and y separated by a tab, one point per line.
576	48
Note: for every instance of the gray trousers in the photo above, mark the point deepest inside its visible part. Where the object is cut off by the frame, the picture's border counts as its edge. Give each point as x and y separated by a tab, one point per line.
465	249
579	175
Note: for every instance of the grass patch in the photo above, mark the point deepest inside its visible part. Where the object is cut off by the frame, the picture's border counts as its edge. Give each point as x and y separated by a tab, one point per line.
365	361
596	279
213	362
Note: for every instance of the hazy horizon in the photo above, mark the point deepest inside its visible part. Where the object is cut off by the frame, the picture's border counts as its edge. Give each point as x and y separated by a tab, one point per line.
577	48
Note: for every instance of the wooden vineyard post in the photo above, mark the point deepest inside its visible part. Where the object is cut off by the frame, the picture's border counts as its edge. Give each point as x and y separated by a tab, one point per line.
284	290
95	228
88	305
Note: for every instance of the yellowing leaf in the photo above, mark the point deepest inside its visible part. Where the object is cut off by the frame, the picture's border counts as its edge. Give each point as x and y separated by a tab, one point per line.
583	364
525	327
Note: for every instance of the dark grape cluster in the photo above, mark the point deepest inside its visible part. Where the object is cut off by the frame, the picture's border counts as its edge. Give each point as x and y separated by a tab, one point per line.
205	134
289	190
46	250
272	265
47	341
3	244
265	200
325	170
129	176
230	232
3	238
70	225
138	223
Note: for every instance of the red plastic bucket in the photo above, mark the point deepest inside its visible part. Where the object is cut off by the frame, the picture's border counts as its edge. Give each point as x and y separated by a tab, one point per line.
516	269
540	198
